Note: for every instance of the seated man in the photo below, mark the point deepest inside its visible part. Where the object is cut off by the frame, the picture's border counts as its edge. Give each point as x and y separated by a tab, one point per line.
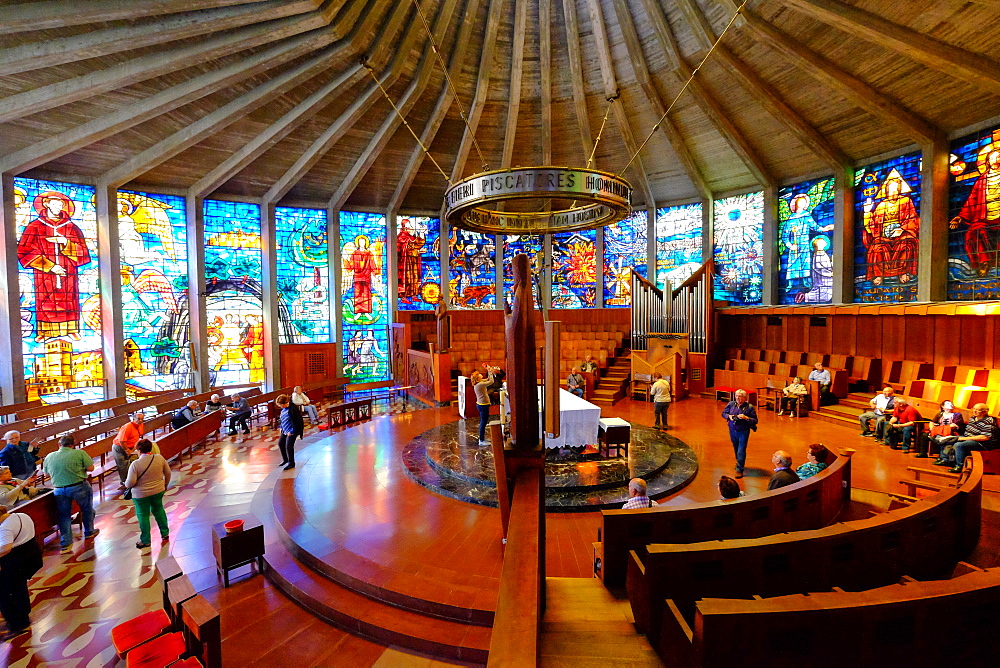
13	490
902	426
793	394
241	412
185	416
821	376
589	365
980	434
18	455
575	382
881	407
637	495
783	473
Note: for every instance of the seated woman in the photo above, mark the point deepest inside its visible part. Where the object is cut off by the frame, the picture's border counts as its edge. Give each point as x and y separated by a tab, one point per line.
815	461
792	395
300	399
946	427
729	488
13	491
214	404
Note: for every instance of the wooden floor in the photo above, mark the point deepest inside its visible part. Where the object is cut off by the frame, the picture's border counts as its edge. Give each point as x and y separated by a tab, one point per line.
373	510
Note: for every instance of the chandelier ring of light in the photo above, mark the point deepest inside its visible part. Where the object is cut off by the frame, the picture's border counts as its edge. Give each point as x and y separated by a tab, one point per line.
600	198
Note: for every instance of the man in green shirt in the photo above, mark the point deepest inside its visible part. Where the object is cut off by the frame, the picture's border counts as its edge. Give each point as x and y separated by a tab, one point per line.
68	468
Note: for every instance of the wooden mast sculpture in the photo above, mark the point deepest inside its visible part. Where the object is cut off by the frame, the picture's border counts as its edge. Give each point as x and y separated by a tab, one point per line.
522	379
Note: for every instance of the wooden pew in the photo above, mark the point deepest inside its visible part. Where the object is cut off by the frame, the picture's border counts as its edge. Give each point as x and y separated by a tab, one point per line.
14	408
809	504
21	426
190	435
47	431
148	402
90	409
925	539
47	410
936	623
86	433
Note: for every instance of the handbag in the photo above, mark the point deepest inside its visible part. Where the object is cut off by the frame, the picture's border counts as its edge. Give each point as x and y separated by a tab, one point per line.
128	491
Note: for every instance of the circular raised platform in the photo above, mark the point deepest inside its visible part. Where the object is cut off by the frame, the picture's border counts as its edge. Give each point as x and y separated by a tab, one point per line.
449	460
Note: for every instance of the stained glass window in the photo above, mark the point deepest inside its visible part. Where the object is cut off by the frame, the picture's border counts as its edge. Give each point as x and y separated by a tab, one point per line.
532	246
974	213
805	242
574	269
418	252
152	240
678	243
625	248
472	283
60	296
303	274
886	230
739	246
234	307
365	309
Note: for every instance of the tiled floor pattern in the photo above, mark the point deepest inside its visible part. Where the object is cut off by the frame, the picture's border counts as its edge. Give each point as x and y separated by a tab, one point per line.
79	597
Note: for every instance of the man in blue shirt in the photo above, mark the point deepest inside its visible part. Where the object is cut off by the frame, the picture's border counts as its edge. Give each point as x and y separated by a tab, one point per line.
821	376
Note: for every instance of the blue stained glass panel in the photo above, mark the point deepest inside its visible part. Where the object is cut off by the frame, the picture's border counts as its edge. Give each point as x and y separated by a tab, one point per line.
234	306
574	269
531	245
678	243
805	242
56	230
625	248
303	275
418	253
739	248
974	215
472	282
887	230
152	241
364	284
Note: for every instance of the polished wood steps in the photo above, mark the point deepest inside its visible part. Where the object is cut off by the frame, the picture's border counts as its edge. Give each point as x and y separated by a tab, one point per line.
372	619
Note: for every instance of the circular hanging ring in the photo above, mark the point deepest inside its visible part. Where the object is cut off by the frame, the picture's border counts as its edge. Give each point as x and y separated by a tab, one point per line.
606	199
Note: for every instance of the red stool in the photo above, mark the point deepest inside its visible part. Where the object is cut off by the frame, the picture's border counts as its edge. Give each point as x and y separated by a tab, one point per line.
129	635
158	652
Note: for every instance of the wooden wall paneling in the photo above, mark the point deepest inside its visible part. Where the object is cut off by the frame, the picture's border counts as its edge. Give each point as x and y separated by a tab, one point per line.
297	362
774	335
971	340
819	339
918	345
796	332
869	336
893	338
843	334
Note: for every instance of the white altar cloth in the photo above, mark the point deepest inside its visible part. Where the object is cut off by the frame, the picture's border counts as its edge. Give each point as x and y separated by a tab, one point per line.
578	421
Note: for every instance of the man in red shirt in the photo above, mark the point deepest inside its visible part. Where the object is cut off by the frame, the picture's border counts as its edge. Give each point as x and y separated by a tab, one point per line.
124	444
902	425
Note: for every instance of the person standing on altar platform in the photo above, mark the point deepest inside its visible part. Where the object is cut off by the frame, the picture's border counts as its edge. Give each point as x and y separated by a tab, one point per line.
660	392
575	382
741	418
483	404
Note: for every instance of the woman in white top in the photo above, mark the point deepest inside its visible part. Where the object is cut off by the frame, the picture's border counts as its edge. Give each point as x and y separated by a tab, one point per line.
18	563
148	478
300	399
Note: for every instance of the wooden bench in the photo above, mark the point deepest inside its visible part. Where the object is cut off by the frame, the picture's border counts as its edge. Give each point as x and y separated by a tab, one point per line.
14	408
87	410
148	402
925	539
937	623
47	431
174	444
47	410
809	504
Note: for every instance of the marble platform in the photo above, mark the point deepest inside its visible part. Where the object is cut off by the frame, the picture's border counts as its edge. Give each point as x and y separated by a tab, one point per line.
449	461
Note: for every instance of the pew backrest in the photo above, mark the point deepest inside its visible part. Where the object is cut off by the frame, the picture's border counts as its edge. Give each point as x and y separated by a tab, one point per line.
44	411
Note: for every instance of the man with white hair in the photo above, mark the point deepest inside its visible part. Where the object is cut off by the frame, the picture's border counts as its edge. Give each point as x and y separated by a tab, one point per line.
18	455
637	495
741	418
783	473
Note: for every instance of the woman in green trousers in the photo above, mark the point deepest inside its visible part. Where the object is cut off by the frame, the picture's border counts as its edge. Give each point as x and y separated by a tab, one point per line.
148	477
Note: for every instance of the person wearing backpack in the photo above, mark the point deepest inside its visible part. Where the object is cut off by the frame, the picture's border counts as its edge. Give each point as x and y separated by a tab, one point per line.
148	477
20	559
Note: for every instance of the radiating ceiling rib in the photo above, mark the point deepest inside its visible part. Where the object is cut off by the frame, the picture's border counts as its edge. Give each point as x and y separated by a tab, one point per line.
422	77
653	98
575	57
152	65
765	95
307	108
516	70
545	73
62	50
482	89
329	137
618	109
175	96
952	60
717	114
832	75
444	102
58	13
